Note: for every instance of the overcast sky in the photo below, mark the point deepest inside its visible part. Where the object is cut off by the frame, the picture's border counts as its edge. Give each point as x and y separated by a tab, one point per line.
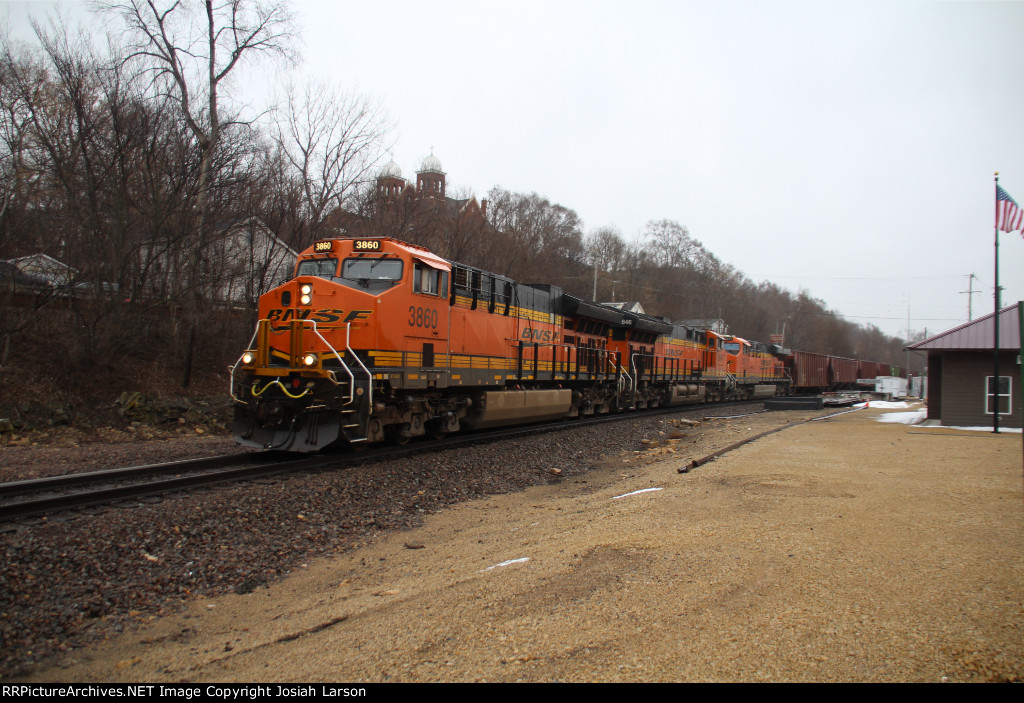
847	148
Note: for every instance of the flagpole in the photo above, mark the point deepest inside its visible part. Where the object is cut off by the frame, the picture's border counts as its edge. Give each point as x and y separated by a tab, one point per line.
995	342
1020	327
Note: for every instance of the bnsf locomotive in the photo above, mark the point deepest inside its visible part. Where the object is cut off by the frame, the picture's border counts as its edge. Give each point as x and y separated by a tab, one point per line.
376	339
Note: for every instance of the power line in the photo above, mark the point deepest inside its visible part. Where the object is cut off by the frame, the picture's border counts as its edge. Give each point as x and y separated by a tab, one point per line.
856	278
878	317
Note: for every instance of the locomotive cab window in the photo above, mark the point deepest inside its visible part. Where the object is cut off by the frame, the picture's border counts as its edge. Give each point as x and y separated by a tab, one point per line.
372	269
428	280
374	275
324	268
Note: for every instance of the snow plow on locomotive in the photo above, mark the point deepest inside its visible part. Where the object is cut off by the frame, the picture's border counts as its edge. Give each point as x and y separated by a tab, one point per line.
379	340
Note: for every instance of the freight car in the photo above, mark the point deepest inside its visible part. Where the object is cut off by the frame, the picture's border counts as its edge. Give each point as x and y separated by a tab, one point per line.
377	339
810	372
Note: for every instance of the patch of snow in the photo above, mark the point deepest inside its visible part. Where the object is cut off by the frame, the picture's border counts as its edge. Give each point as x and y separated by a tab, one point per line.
884	404
506	563
911	418
642	490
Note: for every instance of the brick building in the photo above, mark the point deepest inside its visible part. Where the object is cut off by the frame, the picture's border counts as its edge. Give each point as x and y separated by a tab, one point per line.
961	391
421	213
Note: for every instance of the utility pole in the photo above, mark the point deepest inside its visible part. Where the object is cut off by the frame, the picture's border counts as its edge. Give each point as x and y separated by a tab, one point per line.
970	296
908	339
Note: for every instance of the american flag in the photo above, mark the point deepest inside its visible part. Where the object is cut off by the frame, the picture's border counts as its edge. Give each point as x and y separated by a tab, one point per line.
1009	216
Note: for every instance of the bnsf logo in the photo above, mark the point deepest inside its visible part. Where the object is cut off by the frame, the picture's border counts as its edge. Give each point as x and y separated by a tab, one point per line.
284	315
539	335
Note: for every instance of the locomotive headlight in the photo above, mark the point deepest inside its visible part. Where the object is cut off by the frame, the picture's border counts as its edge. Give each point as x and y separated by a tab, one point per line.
305	289
305	300
309	359
247	358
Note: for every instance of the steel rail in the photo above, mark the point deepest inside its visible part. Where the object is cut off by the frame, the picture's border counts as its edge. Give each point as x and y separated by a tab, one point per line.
693	464
87	498
85	478
225	469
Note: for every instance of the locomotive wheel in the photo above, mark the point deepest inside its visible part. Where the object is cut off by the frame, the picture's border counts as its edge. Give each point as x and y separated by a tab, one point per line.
435	430
397	434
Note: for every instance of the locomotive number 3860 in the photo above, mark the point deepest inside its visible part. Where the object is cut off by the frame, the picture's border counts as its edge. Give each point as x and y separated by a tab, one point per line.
422	317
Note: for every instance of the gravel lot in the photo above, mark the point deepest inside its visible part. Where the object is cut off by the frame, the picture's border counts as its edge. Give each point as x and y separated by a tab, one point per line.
70	583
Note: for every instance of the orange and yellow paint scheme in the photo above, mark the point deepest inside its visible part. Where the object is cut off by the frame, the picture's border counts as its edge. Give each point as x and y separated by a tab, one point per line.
375	338
752	368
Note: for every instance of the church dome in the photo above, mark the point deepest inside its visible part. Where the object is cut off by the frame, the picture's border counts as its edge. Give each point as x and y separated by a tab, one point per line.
391	171
432	164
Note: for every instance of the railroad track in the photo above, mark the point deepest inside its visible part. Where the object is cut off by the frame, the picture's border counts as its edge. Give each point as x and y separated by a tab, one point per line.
20	499
70	492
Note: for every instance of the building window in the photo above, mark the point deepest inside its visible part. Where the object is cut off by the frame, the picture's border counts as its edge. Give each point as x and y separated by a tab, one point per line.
1000	395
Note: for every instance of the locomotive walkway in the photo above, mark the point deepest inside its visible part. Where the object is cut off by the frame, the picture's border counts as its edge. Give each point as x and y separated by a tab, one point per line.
841	550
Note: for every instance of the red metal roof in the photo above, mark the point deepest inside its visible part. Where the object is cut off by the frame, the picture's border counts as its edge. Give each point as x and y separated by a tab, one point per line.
978	334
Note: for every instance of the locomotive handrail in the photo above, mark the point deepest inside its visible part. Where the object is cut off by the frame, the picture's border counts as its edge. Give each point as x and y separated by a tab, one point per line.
231	383
668	368
622	373
336	356
348	347
333	352
369	376
604	358
632	362
627	377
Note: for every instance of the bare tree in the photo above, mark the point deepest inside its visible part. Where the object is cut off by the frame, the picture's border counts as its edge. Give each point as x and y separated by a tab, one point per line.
332	140
192	56
542	236
605	252
465	228
605	248
17	173
671	242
